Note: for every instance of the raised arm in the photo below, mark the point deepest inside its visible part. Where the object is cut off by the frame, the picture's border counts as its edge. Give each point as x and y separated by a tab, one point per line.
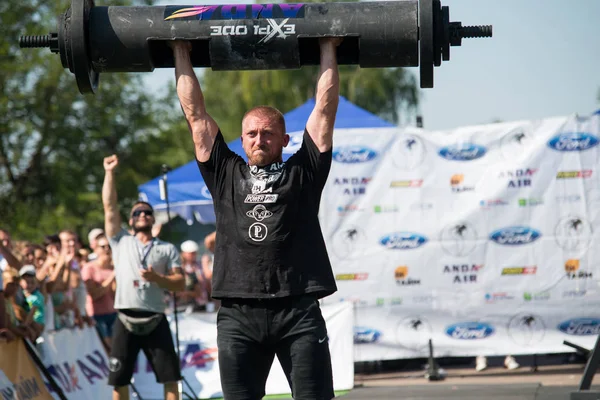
321	120
112	218
9	256
202	127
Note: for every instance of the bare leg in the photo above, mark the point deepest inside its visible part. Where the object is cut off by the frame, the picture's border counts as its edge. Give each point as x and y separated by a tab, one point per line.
107	343
121	393
171	391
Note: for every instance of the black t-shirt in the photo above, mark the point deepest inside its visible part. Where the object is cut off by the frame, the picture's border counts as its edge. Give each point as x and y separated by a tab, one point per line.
269	241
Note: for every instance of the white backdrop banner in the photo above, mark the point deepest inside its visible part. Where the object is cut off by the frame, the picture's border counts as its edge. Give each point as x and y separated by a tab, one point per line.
78	363
199	354
482	238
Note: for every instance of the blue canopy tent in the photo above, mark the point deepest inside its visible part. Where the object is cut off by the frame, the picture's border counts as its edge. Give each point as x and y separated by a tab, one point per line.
188	195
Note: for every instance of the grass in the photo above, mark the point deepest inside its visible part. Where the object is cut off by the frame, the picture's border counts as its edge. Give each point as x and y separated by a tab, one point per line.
285	396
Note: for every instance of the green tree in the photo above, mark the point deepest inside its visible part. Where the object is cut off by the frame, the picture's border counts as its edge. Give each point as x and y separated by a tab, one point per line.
228	95
53	139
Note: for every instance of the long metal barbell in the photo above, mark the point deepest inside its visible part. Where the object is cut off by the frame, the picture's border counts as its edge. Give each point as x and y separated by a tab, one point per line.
92	39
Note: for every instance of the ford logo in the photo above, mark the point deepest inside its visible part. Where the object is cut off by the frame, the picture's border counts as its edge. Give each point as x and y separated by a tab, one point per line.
470	330
463	152
403	240
573	141
365	335
354	154
515	235
580	326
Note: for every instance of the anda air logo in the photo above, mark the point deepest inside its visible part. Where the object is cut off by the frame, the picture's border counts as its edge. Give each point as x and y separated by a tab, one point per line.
354	154
403	241
578	141
356	185
580	326
515	236
470	330
462	152
463	273
518	178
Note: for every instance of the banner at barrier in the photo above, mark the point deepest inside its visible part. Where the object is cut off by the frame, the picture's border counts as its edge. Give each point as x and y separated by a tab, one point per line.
483	238
199	356
19	376
78	363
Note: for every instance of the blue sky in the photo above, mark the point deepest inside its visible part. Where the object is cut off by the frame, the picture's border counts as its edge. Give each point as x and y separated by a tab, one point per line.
543	61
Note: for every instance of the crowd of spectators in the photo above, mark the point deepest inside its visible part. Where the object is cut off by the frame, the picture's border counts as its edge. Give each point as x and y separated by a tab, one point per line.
64	284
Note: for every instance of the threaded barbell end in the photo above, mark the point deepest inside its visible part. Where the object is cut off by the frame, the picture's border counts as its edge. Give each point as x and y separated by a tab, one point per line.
476	31
36	41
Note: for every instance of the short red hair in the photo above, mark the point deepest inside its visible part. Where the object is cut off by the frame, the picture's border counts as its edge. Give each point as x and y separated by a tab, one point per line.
268	112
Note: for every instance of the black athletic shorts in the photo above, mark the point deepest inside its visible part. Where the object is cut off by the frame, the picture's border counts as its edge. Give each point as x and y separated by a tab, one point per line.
157	346
251	332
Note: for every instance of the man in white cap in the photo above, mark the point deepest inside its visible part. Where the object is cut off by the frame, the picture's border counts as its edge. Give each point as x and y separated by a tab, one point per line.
92	240
197	281
34	299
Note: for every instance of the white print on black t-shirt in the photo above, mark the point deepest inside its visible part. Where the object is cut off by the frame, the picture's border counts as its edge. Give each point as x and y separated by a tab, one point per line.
274	168
259	213
261	187
268	174
257	232
261	198
260	178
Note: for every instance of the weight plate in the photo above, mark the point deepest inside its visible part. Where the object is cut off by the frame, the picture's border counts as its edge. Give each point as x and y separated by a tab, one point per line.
437	33
64	26
426	42
446	32
87	79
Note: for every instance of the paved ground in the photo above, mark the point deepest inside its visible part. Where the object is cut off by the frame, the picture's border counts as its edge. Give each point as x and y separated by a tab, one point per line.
463	392
547	383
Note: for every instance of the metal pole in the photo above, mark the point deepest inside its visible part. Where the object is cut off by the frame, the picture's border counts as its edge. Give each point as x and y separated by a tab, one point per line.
164	191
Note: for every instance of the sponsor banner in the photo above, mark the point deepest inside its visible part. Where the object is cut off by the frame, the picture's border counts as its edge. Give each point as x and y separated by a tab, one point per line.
77	361
483	238
200	363
515	332
19	376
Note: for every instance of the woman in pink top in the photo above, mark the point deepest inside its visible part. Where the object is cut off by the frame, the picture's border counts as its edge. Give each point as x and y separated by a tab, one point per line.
99	278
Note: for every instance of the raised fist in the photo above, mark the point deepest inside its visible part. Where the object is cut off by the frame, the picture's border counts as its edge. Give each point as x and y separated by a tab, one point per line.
110	162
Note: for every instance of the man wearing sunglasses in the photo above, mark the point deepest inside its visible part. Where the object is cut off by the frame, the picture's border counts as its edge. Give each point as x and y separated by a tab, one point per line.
271	264
145	268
